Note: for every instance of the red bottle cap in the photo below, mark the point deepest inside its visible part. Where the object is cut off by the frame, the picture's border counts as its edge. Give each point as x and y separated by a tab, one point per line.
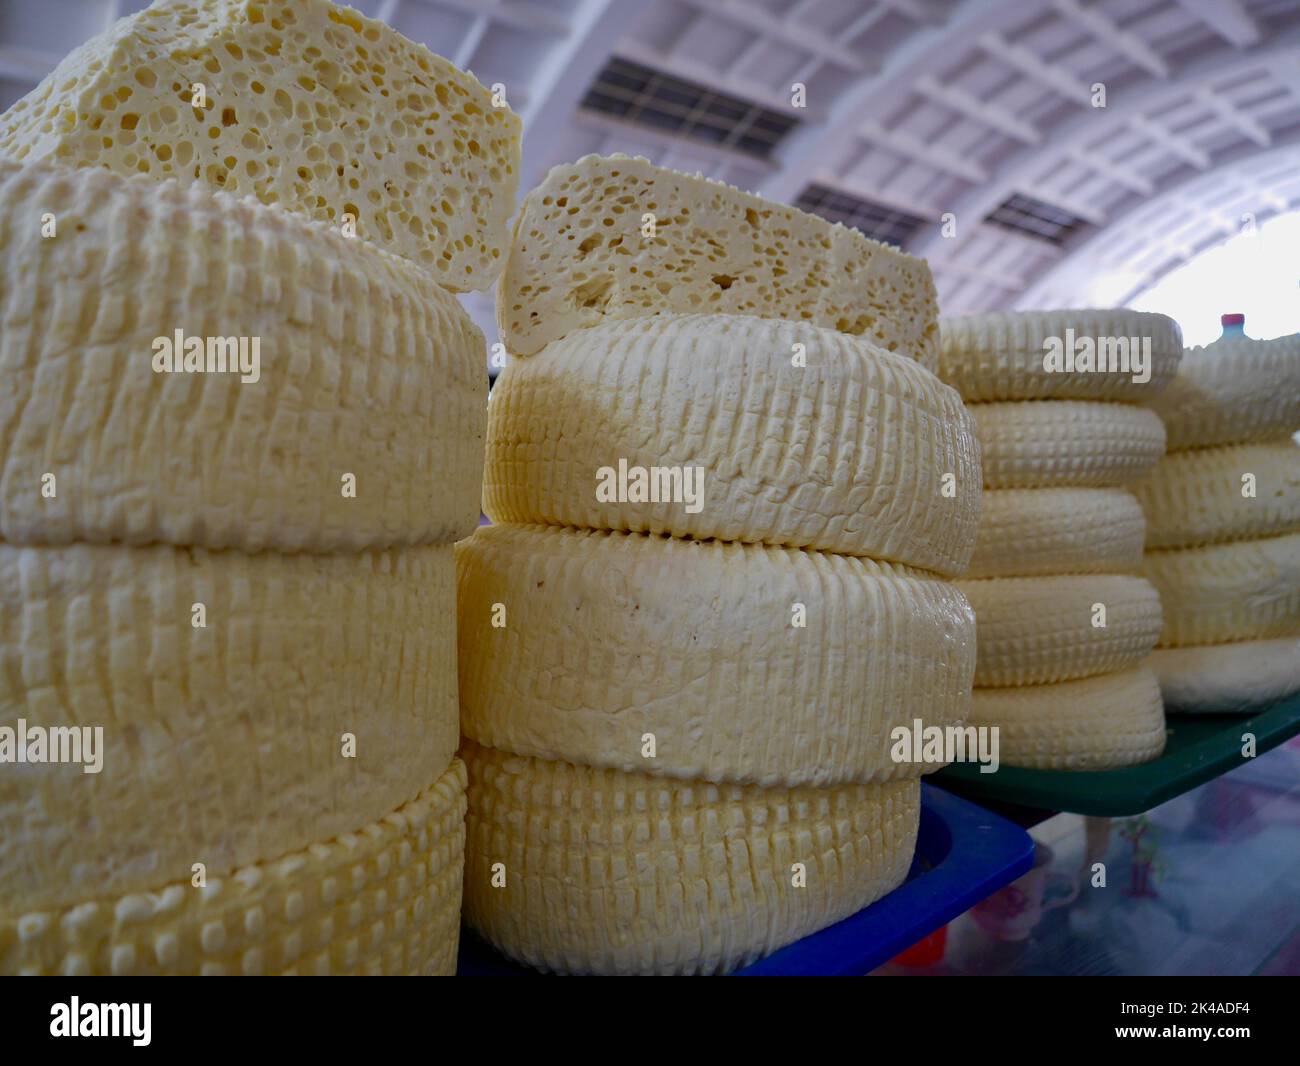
1232	320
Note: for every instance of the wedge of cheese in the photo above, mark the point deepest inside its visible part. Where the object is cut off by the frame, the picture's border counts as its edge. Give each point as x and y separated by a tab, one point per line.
785	433
1098	723
615	237
1210	495
579	870
1233	392
1078	354
245	707
1033	532
1246	590
360	423
1033	630
1227	678
305	105
384	899
1070	443
726	662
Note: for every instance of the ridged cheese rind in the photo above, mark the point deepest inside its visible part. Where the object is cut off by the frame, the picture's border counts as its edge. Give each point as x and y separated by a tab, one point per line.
1234	391
1035	532
1000	355
221	743
607	637
1066	443
1246	590
579	257
1097	723
1036	630
1227	678
612	873
366	369
308	106
383	900
852	452
1198	497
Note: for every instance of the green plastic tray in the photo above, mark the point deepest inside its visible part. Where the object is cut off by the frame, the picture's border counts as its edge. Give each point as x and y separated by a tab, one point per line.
1200	747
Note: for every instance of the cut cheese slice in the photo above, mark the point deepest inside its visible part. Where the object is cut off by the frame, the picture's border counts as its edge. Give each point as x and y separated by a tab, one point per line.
1098	723
1032	630
1050	443
727	662
1225	678
1210	495
226	688
1028	532
382	900
1013	355
304	105
615	237
612	873
364	426
855	450
1233	392
1246	590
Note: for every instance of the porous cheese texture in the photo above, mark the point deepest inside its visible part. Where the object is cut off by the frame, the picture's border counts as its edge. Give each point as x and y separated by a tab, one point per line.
746	663
307	106
1233	392
1210	495
1004	355
366	369
1034	630
1245	590
1030	532
1097	723
856	450
383	900
612	873
583	253
1227	678
1066	443
222	742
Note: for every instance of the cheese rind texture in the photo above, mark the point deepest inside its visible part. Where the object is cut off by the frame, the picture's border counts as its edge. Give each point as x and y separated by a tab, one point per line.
1233	392
1201	496
366	369
1226	678
849	453
582	254
1038	532
746	663
384	899
1097	723
1066	443
307	106
222	743
1036	630
1005	355
1246	590
612	873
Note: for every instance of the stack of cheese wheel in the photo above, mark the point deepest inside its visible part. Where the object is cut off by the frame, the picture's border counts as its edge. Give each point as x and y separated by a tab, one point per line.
1064	618
680	702
1223	527
235	590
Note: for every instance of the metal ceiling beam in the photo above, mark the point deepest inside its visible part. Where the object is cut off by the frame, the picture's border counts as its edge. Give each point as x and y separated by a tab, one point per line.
1109	32
758	20
1037	69
1228	18
972	107
1179	146
1083	260
1095	124
23	64
921	150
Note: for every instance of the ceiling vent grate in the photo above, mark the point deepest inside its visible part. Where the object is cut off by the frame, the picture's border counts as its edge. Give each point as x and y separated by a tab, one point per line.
1037	219
647	97
876	221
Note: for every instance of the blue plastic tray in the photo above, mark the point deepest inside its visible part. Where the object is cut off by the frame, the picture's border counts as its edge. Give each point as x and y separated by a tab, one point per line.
963	855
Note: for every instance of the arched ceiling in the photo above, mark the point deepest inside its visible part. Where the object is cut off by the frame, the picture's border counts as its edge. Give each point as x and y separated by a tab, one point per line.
983	110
